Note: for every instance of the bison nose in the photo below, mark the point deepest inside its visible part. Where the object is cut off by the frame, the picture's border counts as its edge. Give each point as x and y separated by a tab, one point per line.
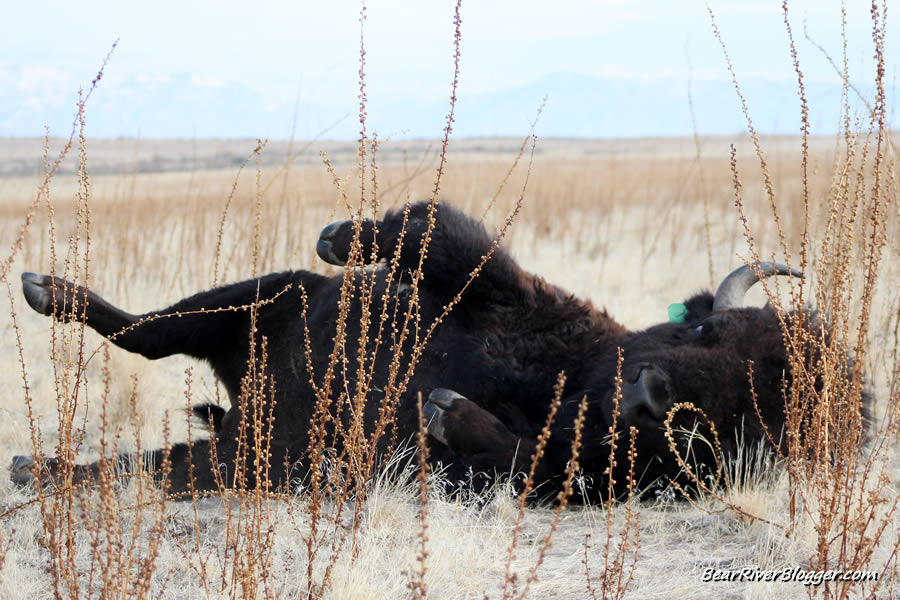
647	399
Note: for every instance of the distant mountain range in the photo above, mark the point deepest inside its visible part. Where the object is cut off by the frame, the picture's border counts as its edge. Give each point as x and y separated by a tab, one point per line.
181	106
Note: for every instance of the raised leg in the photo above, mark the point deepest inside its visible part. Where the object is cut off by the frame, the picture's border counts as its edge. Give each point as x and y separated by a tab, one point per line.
200	326
458	244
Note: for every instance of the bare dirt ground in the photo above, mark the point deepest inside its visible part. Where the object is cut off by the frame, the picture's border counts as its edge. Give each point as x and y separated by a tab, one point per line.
633	225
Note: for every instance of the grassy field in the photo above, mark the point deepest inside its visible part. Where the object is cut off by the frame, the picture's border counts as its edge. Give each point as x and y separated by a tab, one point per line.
633	225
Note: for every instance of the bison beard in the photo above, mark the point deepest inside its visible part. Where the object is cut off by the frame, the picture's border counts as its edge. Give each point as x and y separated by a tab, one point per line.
488	372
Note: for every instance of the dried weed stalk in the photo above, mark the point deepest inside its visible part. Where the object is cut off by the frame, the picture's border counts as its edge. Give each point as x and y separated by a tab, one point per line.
835	453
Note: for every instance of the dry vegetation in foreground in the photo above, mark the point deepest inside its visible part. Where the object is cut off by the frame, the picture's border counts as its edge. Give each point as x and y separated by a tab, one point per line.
629	233
630	229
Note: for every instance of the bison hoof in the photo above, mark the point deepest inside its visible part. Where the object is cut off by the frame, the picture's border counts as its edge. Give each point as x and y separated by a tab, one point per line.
325	247
21	470
37	293
440	402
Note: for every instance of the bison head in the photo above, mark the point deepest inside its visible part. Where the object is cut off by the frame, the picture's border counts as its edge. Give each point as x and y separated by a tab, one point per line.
725	359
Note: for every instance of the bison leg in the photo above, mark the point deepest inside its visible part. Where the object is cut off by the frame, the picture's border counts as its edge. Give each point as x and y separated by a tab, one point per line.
23	469
458	245
182	459
66	301
474	435
203	325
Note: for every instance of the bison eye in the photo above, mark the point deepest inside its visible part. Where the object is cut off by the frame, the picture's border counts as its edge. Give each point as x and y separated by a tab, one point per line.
704	330
707	332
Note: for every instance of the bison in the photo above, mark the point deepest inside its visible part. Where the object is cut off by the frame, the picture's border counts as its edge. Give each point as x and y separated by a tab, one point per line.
488	371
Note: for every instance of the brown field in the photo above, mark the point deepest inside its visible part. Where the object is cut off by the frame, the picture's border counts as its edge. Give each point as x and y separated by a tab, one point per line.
633	225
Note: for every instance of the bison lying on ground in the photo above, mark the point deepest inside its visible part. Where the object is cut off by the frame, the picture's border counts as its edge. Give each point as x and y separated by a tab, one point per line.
488	372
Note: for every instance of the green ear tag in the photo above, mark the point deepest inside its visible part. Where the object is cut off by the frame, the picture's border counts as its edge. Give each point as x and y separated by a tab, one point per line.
677	313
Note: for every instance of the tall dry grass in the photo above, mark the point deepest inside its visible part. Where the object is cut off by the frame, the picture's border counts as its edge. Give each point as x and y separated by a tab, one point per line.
343	455
142	277
610	221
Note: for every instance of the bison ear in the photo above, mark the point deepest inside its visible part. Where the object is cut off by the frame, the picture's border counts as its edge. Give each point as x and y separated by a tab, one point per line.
698	306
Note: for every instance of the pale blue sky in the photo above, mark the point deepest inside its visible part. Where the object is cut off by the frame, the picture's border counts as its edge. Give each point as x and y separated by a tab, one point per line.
176	56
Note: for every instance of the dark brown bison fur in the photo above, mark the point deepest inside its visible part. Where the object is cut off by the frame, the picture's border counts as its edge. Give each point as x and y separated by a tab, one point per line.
488	372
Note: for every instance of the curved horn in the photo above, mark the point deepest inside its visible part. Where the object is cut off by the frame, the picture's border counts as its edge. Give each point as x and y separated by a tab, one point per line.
732	289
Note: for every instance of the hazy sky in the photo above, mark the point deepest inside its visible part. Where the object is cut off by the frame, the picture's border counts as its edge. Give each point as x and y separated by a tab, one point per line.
281	48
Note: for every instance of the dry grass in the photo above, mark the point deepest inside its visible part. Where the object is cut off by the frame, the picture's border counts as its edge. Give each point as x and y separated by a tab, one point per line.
633	225
152	245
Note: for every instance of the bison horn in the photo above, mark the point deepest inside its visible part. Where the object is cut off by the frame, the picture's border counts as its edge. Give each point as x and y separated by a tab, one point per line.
733	288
